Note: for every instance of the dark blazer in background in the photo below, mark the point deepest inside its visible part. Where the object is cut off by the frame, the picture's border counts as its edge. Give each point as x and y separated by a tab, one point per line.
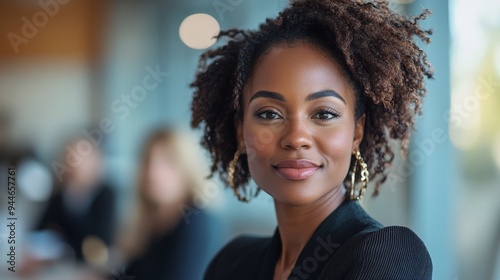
348	244
98	218
181	254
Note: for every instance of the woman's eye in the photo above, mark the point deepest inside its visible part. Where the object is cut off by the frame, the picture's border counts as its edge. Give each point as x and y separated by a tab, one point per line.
325	115
268	115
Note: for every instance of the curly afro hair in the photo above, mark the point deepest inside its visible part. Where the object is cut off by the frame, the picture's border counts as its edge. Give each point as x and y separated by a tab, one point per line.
376	49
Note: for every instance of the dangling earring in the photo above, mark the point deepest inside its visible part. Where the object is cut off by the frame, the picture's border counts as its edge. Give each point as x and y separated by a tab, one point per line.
365	174
230	176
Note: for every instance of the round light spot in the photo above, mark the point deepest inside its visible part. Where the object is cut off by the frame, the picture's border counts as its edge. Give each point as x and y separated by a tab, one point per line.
95	251
197	31
34	180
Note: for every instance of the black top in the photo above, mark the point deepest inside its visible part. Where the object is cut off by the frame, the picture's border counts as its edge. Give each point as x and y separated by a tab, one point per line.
96	218
181	254
348	244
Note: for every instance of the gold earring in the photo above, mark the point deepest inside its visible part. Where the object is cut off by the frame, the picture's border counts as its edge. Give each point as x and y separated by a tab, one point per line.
230	176
365	174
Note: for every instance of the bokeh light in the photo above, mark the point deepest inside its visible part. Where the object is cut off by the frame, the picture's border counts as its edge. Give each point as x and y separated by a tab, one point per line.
197	31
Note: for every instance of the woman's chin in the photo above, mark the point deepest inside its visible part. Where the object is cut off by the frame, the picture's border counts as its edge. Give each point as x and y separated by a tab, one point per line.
295	197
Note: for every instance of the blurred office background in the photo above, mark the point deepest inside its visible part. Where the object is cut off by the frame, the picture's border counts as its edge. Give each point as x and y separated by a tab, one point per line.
74	66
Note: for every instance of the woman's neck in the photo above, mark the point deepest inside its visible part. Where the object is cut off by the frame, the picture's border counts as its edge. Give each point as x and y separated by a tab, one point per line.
297	224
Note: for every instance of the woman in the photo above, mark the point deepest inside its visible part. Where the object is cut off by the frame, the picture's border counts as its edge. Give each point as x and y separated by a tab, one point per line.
306	106
170	237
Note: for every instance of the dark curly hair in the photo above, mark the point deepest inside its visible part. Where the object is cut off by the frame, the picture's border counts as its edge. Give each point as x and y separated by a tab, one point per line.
376	49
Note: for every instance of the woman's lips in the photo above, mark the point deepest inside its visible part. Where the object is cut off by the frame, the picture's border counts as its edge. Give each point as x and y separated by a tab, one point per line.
296	169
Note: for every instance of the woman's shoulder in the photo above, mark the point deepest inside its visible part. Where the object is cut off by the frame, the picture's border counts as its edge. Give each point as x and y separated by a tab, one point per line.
392	252
240	252
395	235
394	242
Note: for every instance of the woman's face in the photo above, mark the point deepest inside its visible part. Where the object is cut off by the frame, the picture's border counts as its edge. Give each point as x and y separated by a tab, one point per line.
299	129
86	173
165	183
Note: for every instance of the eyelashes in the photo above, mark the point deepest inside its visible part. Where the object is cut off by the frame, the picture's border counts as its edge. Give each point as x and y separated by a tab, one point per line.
326	114
268	114
323	114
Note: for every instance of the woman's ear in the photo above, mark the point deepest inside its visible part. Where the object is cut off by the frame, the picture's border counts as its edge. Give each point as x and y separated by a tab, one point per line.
359	130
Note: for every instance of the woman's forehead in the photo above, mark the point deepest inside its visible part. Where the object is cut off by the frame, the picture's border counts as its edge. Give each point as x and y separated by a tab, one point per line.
297	69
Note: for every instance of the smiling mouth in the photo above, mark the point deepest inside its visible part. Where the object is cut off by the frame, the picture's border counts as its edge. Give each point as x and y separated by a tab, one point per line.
296	169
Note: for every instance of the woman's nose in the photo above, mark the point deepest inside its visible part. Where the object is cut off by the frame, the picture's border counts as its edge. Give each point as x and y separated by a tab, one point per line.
296	135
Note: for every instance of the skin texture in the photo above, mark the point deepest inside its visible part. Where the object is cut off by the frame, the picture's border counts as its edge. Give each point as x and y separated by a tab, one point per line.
323	130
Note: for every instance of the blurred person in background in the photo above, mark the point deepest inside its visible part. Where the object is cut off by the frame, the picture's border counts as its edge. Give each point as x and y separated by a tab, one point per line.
33	177
29	179
170	237
78	222
4	125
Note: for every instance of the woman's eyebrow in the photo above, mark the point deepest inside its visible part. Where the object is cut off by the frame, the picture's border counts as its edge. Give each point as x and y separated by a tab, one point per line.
268	94
312	96
324	93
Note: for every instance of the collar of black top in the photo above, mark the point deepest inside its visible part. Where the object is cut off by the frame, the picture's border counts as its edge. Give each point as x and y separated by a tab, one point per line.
346	221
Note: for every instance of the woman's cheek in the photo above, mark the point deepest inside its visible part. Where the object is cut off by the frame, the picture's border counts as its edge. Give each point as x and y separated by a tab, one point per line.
258	140
336	145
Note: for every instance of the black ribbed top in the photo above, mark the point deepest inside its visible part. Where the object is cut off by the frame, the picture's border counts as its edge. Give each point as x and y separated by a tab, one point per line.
348	244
